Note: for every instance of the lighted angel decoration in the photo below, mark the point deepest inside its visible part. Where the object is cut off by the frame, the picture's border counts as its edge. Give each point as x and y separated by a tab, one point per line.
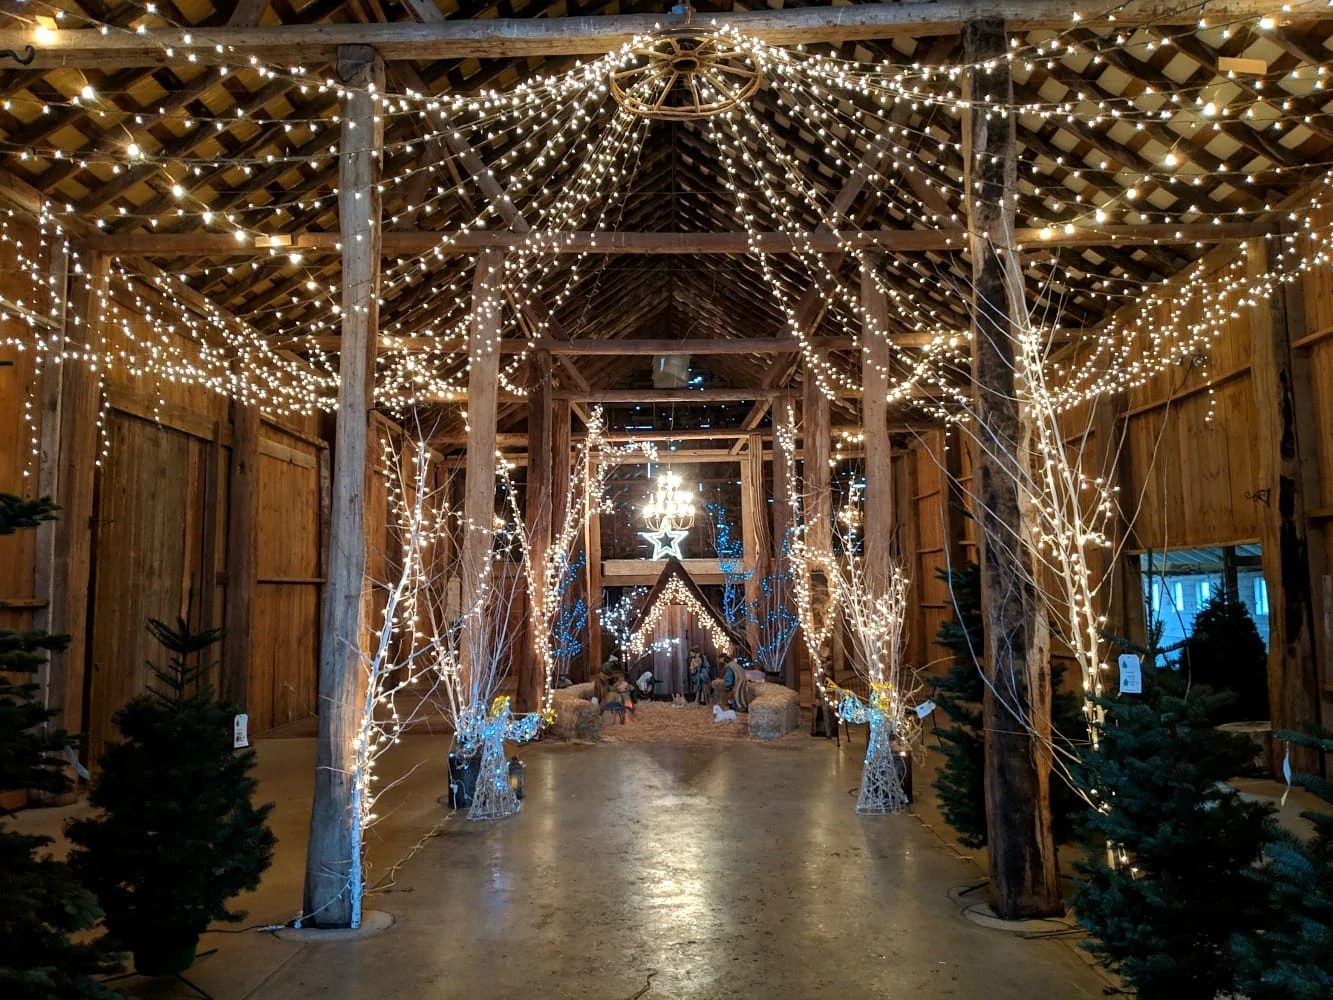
881	777
496	797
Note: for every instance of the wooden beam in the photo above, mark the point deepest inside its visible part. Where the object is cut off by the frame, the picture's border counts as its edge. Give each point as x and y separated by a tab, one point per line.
677	395
876	358
1017	703
242	551
330	858
603	348
247	13
498	38
401	242
1287	447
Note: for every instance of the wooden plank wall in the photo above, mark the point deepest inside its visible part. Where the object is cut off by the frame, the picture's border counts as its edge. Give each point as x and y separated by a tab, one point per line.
20	394
285	653
1315	349
160	521
1190	443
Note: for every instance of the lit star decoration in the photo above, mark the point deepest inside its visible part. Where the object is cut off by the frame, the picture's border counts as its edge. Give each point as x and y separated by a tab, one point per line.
666	541
669	513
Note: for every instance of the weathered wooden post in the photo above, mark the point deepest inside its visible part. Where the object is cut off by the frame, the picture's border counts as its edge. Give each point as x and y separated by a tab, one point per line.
540	508
880	513
329	861
483	386
1293	556
1017	704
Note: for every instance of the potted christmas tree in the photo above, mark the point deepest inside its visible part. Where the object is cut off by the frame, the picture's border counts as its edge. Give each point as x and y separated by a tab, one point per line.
1292	958
41	903
178	836
1176	881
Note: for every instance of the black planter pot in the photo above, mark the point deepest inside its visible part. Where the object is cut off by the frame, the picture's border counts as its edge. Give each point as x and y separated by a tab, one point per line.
164	958
463	773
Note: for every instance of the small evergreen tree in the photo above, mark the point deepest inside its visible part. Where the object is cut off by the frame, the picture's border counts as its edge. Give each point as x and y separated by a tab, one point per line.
960	782
1162	913
179	835
1226	652
41	903
1293	958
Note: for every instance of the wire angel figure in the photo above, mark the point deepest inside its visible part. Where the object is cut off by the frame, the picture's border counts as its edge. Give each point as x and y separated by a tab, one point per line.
881	780
496	797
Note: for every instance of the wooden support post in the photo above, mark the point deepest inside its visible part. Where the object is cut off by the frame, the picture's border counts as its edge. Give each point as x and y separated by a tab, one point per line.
753	536
71	391
1122	601
329	858
592	545
818	502
815	443
880	509
560	430
48	467
1287	454
784	478
540	497
242	551
479	477
1017	704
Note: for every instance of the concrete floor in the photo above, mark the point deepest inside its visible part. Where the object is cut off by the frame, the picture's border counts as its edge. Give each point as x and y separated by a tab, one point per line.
637	871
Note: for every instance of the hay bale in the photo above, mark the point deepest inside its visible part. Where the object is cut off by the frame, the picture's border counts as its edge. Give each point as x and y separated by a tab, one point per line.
583	690
774	711
575	718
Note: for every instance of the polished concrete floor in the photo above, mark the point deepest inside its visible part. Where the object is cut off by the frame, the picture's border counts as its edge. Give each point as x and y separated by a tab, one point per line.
645	871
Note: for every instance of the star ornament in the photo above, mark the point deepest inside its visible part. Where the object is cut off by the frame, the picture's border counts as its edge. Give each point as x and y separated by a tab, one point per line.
666	541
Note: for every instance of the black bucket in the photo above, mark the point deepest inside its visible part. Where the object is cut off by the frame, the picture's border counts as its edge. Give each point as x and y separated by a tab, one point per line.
463	773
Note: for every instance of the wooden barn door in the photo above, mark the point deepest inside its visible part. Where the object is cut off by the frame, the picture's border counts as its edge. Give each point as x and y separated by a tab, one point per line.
149	555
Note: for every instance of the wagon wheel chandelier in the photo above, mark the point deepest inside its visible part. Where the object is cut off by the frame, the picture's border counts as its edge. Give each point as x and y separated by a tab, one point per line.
685	73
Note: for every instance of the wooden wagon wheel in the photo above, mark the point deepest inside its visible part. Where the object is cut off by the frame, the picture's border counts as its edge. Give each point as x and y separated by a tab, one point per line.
685	73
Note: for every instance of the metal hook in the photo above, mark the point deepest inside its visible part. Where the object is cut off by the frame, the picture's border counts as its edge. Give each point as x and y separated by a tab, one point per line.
23	60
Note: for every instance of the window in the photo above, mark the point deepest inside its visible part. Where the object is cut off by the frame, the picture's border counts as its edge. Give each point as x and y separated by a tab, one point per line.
1260	597
1178	583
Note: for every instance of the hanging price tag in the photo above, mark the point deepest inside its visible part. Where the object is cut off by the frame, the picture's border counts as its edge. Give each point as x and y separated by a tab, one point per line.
925	708
240	732
1131	674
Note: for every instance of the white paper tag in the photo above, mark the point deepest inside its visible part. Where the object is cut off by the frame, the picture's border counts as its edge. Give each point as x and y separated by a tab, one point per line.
1131	674
240	731
925	708
1286	774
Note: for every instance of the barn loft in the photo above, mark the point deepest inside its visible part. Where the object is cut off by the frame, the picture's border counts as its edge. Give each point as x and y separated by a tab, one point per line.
361	332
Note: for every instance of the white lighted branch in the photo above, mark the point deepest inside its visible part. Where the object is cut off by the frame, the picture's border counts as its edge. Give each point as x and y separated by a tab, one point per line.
548	580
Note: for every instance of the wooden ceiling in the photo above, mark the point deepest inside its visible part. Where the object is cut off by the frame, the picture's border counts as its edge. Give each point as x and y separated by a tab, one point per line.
254	145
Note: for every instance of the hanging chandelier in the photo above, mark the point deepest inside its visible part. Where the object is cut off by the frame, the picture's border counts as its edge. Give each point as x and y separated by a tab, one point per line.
668	515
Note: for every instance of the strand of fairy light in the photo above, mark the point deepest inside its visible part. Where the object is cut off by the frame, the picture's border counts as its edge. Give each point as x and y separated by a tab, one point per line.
587	189
1055	43
585	498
